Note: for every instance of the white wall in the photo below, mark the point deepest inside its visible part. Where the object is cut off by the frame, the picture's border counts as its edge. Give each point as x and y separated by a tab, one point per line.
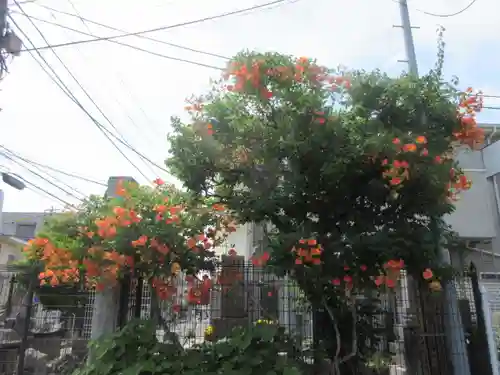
241	239
491	158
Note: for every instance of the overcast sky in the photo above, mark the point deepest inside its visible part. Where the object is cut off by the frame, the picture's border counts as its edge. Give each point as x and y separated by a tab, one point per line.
138	92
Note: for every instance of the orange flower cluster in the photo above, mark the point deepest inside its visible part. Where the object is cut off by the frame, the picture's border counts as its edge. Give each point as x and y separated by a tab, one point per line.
256	74
390	276
347	279
469	134
103	263
458	183
103	267
398	171
164	289
170	214
60	267
434	283
308	251
260	260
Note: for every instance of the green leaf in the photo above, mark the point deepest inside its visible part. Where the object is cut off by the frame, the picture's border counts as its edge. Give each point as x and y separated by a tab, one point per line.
223	348
291	371
266	331
134	370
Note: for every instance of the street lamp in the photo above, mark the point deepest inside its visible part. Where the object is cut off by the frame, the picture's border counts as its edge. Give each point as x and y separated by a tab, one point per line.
13	181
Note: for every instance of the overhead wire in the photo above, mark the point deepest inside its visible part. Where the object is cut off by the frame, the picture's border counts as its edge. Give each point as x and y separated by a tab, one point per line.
124	110
168	27
56	170
68	92
157	54
86	94
145	37
34	165
122	83
107	133
40	189
37	190
60	83
449	14
5	155
446	15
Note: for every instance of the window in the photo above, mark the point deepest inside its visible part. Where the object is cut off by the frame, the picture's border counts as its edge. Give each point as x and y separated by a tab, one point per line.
10	258
25	231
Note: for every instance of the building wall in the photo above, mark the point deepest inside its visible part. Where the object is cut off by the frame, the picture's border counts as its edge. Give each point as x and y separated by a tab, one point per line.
241	241
475	216
9	252
22	224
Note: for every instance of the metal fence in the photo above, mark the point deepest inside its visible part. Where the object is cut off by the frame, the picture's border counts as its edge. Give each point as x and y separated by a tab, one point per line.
407	332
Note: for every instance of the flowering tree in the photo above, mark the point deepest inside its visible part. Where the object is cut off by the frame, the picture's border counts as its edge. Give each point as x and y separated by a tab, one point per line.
154	234
354	171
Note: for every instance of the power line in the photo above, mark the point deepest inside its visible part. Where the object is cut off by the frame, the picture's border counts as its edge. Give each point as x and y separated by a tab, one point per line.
139	35
124	108
38	190
5	155
40	167
58	81
124	86
66	173
45	191
68	92
161	28
84	91
123	44
448	15
27	161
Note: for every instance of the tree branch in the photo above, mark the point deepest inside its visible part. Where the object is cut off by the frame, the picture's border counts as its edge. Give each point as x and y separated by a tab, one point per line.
336	361
354	349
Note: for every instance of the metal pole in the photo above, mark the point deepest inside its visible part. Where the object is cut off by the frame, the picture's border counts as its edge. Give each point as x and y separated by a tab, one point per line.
453	322
490	332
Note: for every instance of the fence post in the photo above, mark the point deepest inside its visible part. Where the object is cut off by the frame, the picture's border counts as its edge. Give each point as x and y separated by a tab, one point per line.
105	314
454	327
27	307
490	334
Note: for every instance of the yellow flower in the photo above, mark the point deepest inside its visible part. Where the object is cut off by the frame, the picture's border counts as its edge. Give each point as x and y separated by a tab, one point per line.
209	330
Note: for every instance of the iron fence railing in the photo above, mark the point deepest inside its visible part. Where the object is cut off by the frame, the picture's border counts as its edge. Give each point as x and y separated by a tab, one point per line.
409	324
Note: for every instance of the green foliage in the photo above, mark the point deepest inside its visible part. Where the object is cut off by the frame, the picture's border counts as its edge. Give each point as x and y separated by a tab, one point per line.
311	150
271	160
262	349
145	231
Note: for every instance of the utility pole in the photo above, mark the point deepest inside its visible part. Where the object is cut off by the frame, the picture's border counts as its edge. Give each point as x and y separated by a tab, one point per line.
453	320
408	38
